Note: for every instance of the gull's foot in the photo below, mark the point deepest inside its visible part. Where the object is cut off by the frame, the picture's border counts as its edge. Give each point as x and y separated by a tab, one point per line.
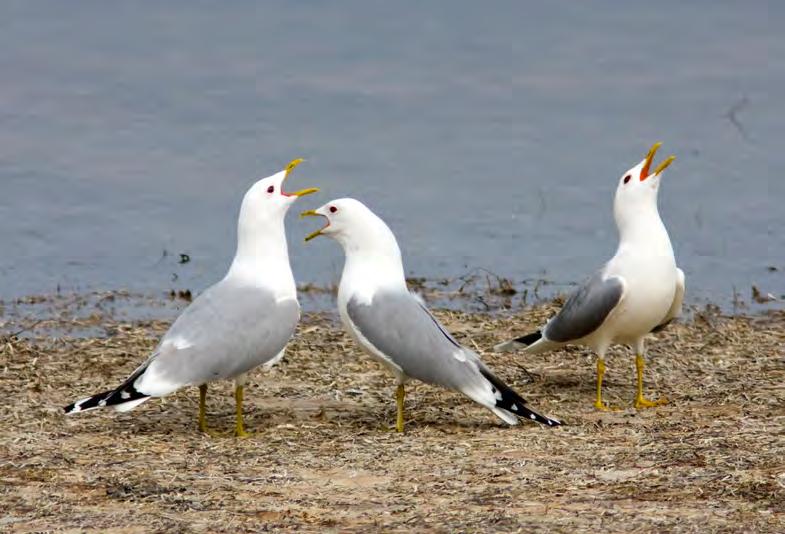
603	407
387	427
239	430
393	428
642	402
241	433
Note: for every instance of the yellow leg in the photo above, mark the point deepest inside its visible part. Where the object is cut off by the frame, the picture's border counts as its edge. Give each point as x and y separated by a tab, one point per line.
600	373
640	401
400	394
239	431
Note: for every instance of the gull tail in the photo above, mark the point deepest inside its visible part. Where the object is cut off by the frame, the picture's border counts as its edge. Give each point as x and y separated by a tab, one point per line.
519	342
509	404
533	343
124	398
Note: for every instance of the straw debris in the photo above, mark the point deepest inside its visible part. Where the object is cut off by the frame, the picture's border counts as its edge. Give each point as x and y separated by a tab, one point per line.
324	459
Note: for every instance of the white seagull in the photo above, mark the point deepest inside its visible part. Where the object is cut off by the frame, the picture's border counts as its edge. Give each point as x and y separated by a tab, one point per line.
639	291
243	321
394	327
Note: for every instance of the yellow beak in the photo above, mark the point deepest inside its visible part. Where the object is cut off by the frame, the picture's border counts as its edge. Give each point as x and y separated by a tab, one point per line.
662	166
650	157
312	213
302	192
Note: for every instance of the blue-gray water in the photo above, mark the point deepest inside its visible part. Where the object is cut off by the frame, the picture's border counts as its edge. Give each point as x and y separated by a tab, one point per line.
487	134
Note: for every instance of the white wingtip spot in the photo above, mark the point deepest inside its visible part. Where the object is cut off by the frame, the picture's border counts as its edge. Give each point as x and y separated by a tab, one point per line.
533	417
76	408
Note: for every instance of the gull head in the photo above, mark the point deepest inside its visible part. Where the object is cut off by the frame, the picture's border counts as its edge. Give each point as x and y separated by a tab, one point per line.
636	193
267	201
354	226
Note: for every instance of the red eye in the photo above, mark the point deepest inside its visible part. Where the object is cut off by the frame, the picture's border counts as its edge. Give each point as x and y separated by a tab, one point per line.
627	178
271	189
333	209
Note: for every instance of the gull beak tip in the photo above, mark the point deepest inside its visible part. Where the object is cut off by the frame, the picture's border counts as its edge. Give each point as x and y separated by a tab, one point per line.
292	164
308	191
664	164
648	160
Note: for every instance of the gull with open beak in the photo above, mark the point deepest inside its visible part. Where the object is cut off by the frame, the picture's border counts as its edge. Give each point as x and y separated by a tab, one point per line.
234	326
394	327
639	291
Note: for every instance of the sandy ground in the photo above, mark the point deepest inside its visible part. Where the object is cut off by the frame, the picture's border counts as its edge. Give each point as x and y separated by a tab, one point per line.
323	457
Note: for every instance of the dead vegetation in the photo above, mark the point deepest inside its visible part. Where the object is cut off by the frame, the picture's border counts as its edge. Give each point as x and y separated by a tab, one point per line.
323	458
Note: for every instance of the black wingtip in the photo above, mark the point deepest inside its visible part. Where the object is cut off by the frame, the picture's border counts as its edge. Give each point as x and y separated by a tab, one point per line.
508	399
126	392
89	403
661	327
534	416
529	339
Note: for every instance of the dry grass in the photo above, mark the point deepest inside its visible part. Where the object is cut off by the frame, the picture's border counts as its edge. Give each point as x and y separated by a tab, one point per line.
323	458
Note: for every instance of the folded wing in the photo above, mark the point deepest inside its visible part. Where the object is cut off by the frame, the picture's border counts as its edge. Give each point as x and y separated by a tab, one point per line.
586	309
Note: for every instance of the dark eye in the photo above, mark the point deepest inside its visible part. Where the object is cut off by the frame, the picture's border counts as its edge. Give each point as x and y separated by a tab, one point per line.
271	189
627	178
333	209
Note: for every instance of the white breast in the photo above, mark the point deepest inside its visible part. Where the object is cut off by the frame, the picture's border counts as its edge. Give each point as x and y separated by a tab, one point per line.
650	286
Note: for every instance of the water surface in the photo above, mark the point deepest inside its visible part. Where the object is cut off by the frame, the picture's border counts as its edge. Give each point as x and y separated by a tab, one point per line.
487	134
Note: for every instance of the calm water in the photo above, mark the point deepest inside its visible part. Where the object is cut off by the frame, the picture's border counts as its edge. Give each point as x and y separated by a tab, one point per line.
487	134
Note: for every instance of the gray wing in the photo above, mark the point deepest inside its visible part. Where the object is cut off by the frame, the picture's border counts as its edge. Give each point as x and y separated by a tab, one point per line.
586	309
402	329
226	331
678	300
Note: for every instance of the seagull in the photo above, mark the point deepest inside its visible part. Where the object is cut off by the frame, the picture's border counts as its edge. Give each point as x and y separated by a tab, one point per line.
241	322
639	291
394	327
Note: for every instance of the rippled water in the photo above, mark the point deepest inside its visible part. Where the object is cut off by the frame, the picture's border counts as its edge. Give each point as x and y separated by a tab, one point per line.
487	134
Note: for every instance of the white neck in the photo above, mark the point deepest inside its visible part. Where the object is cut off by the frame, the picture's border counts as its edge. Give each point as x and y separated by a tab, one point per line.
373	262
644	234
262	258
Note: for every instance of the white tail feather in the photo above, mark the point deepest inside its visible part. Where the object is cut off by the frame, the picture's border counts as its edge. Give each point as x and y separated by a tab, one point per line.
130	405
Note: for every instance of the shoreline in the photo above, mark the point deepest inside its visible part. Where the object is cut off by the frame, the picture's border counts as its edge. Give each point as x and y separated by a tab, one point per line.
482	293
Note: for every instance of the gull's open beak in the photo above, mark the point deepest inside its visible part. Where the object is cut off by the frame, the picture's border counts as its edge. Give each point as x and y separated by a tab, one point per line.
662	166
650	157
302	192
313	213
